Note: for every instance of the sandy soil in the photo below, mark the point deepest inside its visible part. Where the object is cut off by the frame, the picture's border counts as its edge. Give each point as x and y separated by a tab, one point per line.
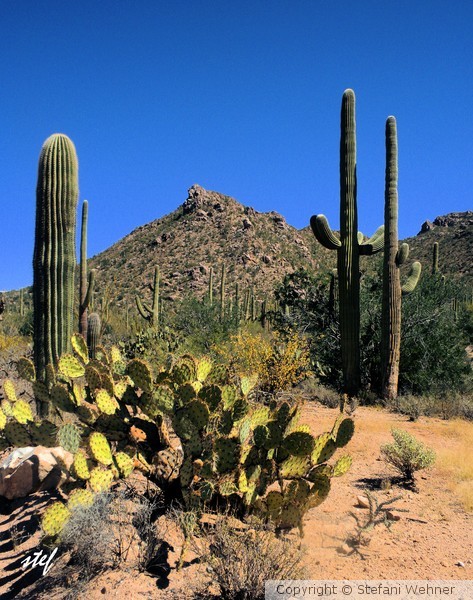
432	540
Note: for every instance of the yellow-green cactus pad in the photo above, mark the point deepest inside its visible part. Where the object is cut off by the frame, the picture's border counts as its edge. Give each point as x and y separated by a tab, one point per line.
260	416
22	412
242	482
80	497
197	385
25	368
124	463
342	465
9	390
81	466
7	407
54	518
16	434
324	448
3	419
100	448
119	388
80	347
294	466
92	376
140	373
70	366
229	396
69	437
227	488
100	480
247	383
115	355
203	369
106	403
274	504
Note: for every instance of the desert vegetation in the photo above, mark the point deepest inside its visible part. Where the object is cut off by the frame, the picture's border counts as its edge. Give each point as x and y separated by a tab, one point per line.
190	417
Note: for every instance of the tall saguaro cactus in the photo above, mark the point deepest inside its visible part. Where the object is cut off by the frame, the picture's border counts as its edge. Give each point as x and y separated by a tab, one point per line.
222	293
394	257
435	258
349	245
151	313
54	257
86	283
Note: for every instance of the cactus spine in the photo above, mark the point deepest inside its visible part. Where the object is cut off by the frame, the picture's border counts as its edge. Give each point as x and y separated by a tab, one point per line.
435	258
86	284
93	333
349	246
151	313
54	257
394	257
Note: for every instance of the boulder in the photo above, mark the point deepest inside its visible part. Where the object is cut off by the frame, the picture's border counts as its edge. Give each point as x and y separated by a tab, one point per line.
28	470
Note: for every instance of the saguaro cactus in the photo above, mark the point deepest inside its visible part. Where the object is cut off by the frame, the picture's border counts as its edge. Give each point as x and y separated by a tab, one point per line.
435	258
211	286
151	313
349	245
54	257
394	257
222	293
93	333
86	283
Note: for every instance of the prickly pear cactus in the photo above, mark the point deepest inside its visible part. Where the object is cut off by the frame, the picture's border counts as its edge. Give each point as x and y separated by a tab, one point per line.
233	449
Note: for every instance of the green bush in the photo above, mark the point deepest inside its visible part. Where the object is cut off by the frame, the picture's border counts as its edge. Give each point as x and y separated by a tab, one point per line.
407	455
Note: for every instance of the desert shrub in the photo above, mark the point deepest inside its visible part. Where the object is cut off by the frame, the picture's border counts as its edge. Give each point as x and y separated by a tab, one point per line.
447	405
433	357
241	561
433	338
312	390
199	326
279	361
407	455
88	536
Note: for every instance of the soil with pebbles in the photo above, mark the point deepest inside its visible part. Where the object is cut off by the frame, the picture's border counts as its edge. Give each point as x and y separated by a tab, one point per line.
431	540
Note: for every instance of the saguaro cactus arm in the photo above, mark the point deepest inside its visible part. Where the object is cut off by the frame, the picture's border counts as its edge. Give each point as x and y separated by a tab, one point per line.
402	254
323	233
374	244
413	278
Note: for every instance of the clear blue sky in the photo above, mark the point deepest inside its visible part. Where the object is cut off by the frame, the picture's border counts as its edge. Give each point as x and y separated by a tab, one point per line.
242	97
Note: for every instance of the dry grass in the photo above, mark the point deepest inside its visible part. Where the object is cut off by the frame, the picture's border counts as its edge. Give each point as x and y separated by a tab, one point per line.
455	459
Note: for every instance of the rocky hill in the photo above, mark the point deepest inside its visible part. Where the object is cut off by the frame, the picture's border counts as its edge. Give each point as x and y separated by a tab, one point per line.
210	229
207	231
454	234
